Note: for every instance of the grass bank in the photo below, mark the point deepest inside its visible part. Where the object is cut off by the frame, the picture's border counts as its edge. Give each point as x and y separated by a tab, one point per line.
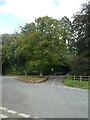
76	83
32	79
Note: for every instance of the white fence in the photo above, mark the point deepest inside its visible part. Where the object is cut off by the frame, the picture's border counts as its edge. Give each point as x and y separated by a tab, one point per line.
81	78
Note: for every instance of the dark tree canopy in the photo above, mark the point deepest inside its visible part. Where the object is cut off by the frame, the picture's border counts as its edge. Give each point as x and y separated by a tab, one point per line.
81	27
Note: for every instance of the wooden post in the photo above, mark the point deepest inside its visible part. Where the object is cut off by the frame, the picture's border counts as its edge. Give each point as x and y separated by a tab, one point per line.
74	77
80	78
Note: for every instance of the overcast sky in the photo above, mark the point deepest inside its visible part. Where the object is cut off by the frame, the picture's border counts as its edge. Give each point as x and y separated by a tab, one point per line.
15	13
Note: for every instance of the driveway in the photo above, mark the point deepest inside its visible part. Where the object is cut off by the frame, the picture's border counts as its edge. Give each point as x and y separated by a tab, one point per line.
50	99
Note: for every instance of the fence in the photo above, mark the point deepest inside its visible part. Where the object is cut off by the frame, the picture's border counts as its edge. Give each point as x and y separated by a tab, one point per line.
81	78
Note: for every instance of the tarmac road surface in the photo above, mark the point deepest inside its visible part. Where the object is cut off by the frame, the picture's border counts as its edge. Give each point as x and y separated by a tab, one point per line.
50	99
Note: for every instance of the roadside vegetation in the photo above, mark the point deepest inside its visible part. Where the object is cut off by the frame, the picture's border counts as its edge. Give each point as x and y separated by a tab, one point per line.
68	81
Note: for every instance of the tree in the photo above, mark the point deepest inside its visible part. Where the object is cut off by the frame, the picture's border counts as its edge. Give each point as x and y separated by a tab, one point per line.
81	27
22	55
46	48
46	44
39	47
67	33
8	48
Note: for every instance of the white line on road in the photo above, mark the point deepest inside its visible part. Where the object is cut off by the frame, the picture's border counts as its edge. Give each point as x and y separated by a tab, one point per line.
3	108
8	77
24	115
53	83
36	117
12	111
3	116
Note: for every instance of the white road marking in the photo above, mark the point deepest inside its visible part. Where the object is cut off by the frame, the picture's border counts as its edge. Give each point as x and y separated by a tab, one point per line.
3	108
24	115
36	117
12	111
3	116
53	83
8	77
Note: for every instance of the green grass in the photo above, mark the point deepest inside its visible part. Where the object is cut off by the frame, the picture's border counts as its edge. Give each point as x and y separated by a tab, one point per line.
31	78
76	83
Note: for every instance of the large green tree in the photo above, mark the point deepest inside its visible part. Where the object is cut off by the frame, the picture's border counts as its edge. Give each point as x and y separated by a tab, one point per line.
45	37
39	47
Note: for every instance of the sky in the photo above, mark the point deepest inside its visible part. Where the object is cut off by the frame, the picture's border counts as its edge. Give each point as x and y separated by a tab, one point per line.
16	13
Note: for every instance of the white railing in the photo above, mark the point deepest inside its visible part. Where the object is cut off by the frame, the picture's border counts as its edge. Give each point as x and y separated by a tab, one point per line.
81	78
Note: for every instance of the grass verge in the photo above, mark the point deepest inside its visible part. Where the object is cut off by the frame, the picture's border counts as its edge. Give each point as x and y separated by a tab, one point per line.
31	79
76	83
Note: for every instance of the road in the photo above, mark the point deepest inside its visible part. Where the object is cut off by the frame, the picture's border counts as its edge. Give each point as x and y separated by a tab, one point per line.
50	99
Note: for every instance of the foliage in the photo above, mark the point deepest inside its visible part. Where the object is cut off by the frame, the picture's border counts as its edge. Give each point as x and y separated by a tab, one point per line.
39	47
49	45
81	28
